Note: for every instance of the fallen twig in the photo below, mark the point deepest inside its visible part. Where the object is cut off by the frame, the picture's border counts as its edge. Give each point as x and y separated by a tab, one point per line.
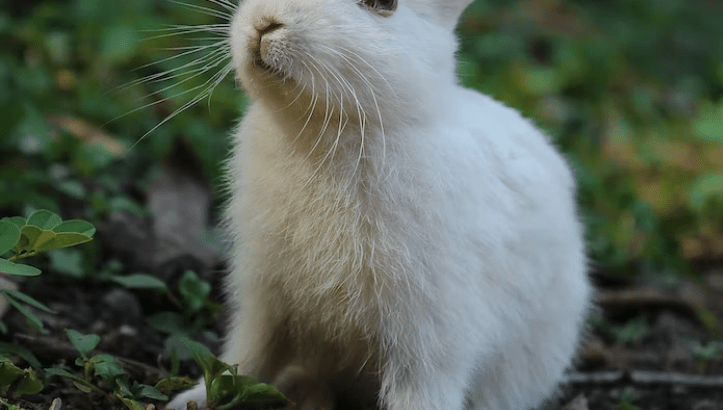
641	377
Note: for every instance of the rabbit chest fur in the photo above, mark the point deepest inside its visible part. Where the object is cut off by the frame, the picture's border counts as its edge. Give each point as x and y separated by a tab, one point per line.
399	242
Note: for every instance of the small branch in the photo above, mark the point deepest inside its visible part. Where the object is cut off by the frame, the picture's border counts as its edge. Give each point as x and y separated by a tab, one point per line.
51	348
645	378
19	256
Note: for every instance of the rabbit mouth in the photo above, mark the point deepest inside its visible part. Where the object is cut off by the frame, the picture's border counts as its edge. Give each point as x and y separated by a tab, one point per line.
271	70
258	61
257	57
266	52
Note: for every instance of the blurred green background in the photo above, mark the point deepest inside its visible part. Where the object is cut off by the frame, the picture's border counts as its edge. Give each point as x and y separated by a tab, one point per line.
630	90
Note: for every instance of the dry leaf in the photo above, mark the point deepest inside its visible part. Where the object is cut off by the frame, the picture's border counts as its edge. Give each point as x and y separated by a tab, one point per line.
89	133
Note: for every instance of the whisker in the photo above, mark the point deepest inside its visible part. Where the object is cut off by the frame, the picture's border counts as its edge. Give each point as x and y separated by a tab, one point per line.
191	74
312	105
363	60
178	30
326	121
298	95
225	4
205	10
371	88
209	67
222	52
221	44
197	47
345	89
209	55
217	78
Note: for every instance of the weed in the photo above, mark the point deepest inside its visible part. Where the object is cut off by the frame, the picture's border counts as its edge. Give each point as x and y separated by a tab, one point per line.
40	232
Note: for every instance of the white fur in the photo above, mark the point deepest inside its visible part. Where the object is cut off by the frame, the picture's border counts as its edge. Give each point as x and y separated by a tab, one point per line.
397	238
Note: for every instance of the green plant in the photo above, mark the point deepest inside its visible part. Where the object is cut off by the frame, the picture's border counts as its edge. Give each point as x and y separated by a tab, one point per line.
628	396
9	405
632	331
40	232
197	311
109	370
69	262
16	381
225	388
706	353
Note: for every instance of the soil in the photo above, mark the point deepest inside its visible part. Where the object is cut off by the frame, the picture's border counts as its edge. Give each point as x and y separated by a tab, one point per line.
644	348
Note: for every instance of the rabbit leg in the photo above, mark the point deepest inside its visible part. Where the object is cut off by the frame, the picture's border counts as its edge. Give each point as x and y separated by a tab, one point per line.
307	392
197	394
250	341
410	383
527	369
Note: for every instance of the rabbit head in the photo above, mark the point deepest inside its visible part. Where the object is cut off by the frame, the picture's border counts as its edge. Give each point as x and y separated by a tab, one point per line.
386	58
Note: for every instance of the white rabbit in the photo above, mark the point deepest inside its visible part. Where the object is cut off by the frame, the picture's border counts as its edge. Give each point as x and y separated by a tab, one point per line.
398	241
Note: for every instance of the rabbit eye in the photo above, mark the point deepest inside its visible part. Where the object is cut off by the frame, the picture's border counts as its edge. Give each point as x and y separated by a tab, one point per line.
383	7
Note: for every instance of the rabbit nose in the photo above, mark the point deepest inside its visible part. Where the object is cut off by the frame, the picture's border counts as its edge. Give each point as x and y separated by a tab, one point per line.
268	26
264	41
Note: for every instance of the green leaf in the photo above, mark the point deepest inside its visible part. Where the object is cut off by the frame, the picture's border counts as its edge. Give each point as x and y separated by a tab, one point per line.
708	352
108	367
18	269
76	226
122	389
175	343
194	291
141	281
84	344
31	238
174	384
36	132
234	389
709	126
84	386
632	331
705	188
625	405
211	367
21	352
62	240
74	189
122	203
29	384
68	262
36	239
131	404
9	405
44	219
262	392
117	43
29	300
708	319
168	322
151	393
60	372
202	355
9	372
18	221
9	236
32	319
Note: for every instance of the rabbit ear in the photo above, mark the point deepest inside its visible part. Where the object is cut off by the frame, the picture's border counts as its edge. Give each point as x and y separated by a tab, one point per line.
445	11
